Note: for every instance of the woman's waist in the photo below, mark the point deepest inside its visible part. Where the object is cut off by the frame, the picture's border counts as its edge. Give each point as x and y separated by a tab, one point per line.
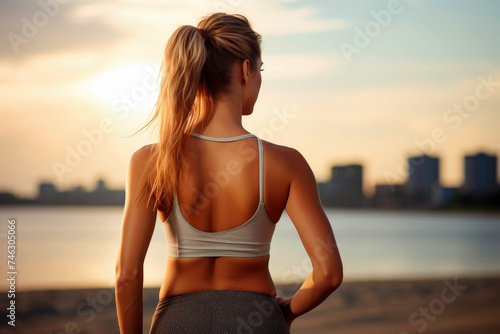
185	275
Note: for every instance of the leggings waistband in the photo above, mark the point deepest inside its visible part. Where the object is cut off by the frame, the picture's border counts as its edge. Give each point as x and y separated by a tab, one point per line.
219	311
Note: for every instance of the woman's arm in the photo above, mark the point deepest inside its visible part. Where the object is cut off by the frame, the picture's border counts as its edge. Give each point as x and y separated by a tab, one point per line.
308	216
136	232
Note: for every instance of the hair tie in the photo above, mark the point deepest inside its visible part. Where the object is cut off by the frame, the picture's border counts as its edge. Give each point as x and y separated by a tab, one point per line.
201	32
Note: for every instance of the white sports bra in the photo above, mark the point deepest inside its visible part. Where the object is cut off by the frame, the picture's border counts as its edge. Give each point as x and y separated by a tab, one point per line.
251	239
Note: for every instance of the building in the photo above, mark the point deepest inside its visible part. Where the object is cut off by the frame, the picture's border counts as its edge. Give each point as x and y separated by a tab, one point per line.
480	174
47	192
389	196
345	187
443	196
100	186
101	195
104	196
423	175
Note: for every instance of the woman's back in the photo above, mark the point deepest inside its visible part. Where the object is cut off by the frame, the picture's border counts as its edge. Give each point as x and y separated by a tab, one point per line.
219	228
229	196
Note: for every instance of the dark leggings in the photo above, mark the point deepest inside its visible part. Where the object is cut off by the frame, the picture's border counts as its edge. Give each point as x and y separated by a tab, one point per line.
219	312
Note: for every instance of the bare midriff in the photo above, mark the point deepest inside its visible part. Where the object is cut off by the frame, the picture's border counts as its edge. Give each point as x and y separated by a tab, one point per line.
186	275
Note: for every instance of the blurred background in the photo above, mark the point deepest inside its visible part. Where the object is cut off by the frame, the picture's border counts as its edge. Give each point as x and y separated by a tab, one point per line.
394	104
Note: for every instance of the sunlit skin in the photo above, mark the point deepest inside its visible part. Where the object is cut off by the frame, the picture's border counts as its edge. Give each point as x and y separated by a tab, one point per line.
289	184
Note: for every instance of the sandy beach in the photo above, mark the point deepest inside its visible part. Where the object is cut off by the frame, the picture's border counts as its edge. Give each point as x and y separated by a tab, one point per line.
449	305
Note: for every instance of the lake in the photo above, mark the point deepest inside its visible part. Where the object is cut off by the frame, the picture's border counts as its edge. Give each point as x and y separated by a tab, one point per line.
76	246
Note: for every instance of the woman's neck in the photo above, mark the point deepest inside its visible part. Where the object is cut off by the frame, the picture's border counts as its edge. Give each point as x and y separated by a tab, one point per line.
226	121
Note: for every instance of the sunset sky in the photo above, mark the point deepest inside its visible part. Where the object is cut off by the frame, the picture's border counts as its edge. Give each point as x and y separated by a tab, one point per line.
368	82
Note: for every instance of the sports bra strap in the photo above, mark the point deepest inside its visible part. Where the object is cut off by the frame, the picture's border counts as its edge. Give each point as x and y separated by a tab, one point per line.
261	171
247	135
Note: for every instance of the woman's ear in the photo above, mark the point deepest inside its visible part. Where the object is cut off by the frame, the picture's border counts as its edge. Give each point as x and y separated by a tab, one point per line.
246	70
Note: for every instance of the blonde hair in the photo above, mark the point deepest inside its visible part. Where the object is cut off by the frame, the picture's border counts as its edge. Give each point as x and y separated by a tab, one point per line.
195	70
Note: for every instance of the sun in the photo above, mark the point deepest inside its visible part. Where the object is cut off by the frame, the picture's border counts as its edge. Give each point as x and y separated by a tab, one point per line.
135	85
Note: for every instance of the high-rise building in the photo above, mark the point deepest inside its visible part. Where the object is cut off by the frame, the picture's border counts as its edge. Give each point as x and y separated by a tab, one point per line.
46	191
480	174
347	180
423	173
345	187
423	176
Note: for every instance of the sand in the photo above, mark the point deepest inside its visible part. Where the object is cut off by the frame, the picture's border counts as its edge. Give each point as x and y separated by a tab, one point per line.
458	306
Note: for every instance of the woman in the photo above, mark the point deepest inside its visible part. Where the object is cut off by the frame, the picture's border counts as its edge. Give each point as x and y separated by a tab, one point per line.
219	191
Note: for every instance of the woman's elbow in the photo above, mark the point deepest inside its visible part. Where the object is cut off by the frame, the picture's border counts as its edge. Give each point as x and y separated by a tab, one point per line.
333	275
334	278
123	276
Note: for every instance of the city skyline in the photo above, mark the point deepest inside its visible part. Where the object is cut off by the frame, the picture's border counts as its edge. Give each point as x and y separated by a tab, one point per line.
422	188
365	82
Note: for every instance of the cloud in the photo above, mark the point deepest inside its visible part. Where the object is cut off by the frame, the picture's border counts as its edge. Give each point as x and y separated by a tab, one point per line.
54	26
83	37
48	27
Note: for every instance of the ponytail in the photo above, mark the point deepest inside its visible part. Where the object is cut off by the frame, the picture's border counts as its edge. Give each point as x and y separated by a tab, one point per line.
195	70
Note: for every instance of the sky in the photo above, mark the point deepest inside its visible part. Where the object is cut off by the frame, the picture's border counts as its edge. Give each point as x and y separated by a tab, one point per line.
369	82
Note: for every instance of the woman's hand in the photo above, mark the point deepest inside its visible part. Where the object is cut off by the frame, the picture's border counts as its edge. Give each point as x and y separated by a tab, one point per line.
284	304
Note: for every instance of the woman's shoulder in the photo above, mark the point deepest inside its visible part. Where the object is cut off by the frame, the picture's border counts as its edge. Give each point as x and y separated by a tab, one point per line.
141	156
278	155
283	155
145	150
283	150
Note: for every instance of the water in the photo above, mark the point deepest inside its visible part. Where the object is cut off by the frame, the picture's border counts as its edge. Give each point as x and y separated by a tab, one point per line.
76	247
